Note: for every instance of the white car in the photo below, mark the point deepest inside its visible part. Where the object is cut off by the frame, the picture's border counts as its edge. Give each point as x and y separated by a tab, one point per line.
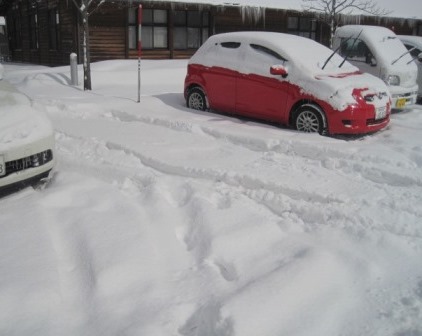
414	45
26	141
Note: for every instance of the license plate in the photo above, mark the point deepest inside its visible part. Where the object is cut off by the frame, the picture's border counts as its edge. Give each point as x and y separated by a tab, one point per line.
401	102
380	112
2	166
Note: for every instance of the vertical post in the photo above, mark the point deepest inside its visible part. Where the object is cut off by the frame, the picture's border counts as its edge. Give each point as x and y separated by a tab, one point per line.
139	50
73	69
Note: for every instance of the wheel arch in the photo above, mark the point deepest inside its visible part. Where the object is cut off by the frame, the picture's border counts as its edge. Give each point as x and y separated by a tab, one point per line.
311	103
192	86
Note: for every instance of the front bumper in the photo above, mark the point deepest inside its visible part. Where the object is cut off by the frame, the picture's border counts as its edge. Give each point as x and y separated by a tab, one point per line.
357	120
27	162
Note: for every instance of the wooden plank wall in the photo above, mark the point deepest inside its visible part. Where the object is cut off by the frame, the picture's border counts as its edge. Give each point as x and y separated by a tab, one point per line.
109	29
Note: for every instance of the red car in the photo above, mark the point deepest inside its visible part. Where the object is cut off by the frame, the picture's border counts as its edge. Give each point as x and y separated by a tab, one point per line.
287	79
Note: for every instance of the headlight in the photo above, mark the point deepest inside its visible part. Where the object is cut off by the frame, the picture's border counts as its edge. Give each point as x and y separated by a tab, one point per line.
393	80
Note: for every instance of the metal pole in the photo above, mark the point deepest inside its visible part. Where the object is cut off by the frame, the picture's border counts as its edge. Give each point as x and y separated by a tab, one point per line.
139	50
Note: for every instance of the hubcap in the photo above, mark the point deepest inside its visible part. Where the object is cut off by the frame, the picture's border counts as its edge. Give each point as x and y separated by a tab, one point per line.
196	102
307	122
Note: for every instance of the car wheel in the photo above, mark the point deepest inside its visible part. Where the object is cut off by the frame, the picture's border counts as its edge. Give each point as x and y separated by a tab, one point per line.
308	119
196	99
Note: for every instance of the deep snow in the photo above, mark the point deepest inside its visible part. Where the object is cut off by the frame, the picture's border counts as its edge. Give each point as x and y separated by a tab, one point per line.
162	220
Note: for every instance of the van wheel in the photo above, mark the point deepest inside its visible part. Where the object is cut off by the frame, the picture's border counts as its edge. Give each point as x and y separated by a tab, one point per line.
308	119
196	99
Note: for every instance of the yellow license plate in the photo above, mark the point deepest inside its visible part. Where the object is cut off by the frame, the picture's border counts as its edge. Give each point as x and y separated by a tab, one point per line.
401	102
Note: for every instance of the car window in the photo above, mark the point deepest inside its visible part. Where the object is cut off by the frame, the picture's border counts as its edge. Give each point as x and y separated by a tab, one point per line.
356	50
259	59
415	52
269	52
230	45
222	54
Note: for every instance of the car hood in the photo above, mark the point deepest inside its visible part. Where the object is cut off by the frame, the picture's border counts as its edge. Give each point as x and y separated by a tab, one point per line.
20	122
339	89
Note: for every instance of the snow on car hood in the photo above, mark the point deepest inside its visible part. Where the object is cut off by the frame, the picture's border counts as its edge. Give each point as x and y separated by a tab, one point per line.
338	89
20	122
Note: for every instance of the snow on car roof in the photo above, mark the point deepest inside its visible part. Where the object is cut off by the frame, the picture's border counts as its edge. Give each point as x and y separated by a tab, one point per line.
382	42
417	40
304	52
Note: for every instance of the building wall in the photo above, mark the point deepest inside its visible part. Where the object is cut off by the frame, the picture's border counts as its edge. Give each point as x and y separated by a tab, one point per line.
113	28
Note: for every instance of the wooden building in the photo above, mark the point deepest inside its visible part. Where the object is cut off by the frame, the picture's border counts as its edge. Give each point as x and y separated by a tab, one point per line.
48	31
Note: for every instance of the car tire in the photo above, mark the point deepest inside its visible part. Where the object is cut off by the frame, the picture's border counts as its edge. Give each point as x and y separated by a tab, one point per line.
196	99
309	119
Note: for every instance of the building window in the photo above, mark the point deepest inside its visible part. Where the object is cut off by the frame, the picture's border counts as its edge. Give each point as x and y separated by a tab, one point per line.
302	26
53	29
420	30
191	29
15	30
154	29
33	31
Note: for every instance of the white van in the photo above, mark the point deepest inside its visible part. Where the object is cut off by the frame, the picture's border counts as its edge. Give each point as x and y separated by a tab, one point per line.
377	50
414	45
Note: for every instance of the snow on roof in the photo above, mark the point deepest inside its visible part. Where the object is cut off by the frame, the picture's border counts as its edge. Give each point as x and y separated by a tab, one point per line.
383	43
417	40
413	8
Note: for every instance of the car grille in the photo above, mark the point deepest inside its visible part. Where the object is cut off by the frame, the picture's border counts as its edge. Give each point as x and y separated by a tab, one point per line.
32	161
370	122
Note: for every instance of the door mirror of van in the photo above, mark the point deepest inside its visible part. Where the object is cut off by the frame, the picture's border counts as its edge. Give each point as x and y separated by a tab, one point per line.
373	62
279	70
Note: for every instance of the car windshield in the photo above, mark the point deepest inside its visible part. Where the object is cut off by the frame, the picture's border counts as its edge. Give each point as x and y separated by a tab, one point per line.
312	56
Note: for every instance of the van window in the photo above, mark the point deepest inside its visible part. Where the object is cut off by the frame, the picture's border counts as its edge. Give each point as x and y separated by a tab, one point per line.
356	50
415	52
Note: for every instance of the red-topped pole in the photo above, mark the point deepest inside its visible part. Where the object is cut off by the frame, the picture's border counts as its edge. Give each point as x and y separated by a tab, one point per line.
139	50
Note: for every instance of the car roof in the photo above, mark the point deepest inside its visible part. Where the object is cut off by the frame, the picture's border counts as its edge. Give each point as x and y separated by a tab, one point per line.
416	40
291	47
364	31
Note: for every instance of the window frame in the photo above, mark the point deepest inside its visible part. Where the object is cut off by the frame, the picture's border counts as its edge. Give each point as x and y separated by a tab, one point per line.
188	25
303	26
33	26
154	25
53	28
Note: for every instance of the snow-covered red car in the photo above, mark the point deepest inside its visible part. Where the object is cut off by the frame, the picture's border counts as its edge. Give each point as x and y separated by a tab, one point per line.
26	141
286	79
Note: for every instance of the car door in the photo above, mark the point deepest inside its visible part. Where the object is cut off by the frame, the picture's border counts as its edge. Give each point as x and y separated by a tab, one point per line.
220	77
258	93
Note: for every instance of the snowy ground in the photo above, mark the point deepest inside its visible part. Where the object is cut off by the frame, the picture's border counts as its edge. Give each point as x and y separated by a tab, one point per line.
165	221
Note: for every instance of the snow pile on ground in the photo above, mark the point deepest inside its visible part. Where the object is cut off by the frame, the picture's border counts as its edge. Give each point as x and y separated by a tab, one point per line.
162	220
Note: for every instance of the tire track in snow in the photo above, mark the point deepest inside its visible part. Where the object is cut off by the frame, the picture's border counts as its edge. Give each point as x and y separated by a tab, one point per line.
367	166
302	206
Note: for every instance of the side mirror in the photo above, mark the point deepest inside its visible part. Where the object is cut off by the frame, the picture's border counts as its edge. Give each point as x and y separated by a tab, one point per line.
420	57
373	62
279	70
